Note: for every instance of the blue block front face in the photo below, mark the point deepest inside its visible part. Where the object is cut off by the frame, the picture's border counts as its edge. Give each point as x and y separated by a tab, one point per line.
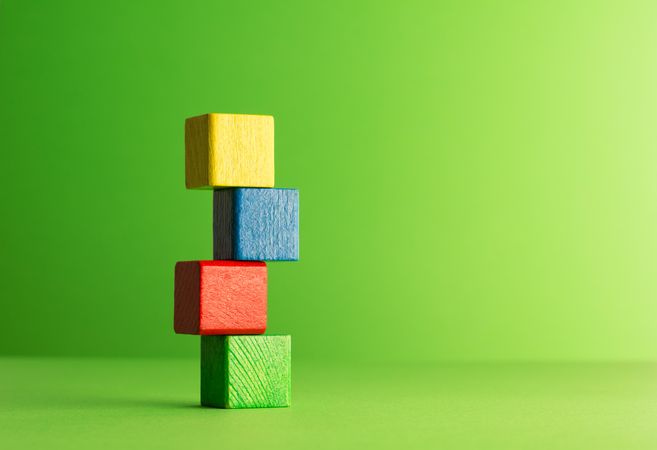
256	224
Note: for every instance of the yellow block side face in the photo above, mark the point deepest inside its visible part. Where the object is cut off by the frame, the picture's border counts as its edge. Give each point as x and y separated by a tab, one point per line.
232	150
197	150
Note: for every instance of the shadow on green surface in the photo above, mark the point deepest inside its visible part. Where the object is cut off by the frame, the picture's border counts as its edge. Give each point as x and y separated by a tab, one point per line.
153	403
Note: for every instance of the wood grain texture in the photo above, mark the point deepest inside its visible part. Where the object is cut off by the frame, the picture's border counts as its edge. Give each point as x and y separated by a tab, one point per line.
256	224
229	150
246	371
220	297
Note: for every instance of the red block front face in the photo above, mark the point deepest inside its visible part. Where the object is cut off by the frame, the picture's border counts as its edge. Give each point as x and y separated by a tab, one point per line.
220	297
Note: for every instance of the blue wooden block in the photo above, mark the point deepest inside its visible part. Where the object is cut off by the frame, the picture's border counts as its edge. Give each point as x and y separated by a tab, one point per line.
253	224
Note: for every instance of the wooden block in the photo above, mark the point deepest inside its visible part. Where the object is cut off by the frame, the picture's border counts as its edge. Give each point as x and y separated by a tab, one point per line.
220	297
256	224
229	150
245	371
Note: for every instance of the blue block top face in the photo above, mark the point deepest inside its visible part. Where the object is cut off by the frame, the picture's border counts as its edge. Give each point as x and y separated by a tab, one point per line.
266	224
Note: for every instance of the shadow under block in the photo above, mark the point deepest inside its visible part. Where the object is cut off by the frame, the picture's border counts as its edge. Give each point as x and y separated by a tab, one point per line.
220	297
245	371
229	150
256	224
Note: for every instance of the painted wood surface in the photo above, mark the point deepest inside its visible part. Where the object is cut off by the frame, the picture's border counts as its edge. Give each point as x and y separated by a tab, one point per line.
220	297
256	224
245	371
229	150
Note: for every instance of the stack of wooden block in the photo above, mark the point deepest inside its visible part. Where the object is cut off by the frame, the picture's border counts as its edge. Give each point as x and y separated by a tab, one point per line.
225	300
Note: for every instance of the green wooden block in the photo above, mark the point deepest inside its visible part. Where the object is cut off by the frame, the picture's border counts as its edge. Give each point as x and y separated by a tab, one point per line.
245	371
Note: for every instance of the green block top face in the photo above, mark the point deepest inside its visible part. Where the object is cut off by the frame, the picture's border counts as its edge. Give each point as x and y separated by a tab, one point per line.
245	371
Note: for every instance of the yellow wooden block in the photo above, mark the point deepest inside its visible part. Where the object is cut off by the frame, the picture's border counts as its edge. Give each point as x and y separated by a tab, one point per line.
229	150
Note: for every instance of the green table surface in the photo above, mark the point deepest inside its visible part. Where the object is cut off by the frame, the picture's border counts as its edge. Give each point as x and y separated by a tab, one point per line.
151	403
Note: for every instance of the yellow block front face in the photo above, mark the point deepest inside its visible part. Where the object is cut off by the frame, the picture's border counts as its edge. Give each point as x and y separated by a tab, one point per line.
224	150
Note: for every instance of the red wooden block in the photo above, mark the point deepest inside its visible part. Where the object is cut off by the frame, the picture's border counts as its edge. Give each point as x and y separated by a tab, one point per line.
220	297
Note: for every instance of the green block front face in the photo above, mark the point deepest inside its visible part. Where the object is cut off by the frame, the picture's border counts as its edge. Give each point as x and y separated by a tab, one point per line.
245	371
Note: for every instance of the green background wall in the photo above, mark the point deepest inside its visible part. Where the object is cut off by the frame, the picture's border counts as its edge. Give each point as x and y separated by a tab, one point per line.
478	179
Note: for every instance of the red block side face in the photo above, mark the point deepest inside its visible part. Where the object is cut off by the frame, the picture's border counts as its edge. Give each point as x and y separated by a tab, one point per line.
233	297
220	297
186	306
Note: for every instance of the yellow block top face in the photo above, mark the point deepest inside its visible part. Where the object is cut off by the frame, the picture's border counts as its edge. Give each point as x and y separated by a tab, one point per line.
229	150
